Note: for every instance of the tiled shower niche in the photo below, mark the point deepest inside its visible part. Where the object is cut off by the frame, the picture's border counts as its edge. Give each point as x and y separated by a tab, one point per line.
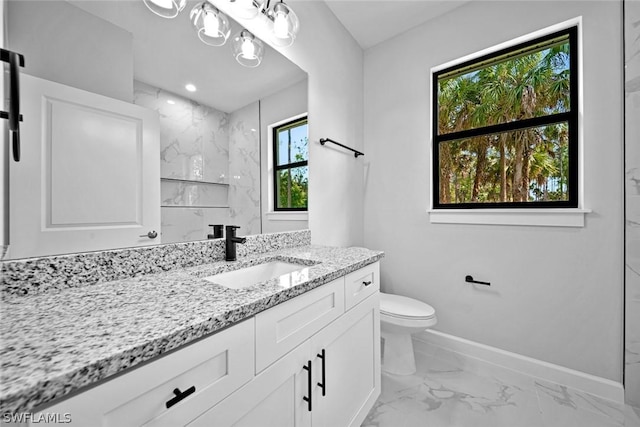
209	165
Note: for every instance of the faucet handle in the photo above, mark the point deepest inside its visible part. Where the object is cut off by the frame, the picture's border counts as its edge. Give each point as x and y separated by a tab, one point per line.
231	230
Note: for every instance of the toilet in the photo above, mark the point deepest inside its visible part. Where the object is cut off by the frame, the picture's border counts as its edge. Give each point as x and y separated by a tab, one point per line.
399	318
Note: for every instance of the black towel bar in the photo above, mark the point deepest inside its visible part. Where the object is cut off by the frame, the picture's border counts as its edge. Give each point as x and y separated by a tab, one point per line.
469	279
355	152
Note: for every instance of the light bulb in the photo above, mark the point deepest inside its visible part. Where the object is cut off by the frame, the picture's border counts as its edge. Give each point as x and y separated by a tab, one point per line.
285	24
280	25
248	49
211	24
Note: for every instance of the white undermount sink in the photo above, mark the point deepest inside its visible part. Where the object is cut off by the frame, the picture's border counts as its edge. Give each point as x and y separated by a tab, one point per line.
287	273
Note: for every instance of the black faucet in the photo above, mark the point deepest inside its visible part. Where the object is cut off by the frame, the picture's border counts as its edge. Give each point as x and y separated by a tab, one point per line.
231	242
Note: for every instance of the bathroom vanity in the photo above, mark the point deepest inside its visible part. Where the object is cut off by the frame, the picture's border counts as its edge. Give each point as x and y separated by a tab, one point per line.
176	348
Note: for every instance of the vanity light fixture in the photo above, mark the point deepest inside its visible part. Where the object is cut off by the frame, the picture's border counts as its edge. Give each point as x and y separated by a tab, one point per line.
285	24
247	49
166	8
212	25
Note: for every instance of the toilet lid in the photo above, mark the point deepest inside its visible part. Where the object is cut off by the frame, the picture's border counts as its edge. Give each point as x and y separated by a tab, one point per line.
403	307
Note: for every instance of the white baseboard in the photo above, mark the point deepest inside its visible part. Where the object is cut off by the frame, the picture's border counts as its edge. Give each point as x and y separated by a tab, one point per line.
597	386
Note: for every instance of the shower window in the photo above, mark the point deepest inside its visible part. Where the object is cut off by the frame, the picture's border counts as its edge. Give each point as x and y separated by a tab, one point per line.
505	127
291	170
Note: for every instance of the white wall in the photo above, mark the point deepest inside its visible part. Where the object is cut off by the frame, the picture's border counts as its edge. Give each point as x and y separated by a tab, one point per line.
81	50
632	136
280	106
556	293
334	63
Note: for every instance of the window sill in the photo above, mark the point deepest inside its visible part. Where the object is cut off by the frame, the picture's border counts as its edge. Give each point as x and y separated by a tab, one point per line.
535	217
288	216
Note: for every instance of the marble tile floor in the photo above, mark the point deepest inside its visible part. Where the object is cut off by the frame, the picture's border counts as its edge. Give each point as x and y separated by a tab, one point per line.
448	391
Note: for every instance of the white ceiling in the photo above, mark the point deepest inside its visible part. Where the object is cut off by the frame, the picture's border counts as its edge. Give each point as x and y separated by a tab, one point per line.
373	21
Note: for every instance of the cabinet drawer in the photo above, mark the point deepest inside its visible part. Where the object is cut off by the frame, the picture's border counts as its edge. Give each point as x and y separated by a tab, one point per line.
215	366
283	327
361	283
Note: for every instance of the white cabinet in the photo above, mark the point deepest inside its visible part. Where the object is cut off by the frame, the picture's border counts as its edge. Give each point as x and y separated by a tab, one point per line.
283	327
213	368
305	362
326	366
347	363
273	398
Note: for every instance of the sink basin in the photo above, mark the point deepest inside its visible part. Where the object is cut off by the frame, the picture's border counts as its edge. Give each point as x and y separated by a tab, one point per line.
288	274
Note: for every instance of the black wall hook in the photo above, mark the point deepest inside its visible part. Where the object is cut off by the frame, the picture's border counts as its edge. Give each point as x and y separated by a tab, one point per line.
469	279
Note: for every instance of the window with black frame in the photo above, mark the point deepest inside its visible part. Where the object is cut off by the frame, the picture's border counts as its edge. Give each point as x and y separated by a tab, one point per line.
291	170
505	127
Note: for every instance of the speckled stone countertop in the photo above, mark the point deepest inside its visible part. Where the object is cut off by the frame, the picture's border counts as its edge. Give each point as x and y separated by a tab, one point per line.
54	343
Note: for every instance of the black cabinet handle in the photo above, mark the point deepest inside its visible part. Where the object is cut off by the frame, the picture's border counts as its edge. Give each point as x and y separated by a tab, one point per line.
179	395
367	283
307	399
323	384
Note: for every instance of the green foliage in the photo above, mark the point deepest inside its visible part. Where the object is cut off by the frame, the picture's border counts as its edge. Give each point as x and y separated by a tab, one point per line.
293	182
517	166
293	185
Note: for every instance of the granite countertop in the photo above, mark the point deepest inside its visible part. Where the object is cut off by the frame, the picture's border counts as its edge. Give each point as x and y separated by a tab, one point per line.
54	343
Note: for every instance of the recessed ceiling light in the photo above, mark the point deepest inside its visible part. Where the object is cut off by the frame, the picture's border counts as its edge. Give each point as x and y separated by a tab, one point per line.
171	101
190	87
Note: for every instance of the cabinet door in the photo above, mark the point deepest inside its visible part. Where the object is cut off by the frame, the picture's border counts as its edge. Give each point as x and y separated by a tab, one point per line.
275	398
283	327
89	177
213	368
351	366
360	284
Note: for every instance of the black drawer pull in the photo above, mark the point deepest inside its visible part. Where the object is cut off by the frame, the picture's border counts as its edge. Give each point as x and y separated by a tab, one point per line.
179	395
323	384
307	399
367	283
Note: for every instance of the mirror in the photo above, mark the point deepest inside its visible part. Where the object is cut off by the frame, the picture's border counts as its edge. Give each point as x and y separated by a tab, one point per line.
214	141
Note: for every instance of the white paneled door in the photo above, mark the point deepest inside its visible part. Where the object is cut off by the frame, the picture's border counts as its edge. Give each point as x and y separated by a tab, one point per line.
89	177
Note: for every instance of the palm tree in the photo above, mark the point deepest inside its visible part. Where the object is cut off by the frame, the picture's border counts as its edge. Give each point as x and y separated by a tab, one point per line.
503	166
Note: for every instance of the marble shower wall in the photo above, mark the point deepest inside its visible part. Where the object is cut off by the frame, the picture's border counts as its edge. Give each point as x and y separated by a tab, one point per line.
194	146
244	169
632	196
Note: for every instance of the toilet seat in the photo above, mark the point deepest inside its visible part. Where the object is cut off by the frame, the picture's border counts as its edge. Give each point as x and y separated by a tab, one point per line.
403	308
